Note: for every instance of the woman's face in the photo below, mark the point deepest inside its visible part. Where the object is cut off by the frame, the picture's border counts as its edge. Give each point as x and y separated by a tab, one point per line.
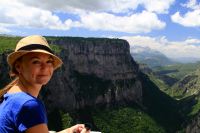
36	68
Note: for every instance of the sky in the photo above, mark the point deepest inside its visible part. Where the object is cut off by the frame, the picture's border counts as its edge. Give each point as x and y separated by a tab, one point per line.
169	26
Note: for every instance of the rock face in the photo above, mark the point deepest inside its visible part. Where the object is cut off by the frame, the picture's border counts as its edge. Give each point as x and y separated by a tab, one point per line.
4	70
194	126
95	72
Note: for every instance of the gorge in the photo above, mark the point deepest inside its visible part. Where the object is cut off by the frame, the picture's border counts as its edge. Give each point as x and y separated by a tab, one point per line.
98	80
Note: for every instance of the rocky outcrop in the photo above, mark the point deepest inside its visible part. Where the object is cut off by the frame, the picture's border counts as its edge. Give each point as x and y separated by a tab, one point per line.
4	70
194	126
95	72
107	58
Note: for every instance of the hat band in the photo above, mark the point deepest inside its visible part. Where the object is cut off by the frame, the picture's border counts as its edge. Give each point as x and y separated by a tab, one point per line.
36	46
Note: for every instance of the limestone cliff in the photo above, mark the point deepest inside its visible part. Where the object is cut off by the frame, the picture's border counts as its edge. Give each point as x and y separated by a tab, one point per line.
95	72
194	125
4	70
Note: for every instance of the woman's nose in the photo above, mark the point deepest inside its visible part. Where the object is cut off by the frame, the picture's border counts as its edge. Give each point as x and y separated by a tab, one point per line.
44	65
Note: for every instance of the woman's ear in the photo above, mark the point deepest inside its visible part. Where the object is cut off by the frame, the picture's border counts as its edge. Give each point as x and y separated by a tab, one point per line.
17	67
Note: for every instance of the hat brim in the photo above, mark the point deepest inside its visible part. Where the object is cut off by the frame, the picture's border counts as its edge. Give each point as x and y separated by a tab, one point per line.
16	55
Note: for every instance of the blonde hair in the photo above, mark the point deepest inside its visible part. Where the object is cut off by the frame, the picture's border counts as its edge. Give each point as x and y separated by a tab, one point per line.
7	87
13	73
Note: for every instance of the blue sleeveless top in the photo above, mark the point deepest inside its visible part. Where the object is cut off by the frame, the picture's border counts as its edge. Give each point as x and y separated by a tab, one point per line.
20	111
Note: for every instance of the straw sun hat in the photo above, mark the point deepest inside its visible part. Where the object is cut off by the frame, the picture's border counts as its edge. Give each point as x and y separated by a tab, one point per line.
34	43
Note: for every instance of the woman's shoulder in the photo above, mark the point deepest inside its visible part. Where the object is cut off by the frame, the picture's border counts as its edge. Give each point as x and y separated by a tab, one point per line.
19	96
13	103
16	100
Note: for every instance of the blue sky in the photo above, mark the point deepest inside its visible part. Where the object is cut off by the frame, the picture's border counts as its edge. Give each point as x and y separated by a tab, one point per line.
169	26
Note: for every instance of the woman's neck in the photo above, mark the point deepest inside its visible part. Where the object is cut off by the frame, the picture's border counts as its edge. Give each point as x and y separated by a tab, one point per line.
23	86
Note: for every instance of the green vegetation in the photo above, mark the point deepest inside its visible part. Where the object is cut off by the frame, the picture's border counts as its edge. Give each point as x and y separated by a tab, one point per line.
55	120
8	44
186	86
178	70
158	82
58	120
189	87
107	120
195	108
57	49
66	120
160	106
185	90
187	76
125	120
80	39
164	82
158	118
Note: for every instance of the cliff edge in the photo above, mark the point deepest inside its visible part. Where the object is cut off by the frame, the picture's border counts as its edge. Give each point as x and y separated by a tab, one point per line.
95	72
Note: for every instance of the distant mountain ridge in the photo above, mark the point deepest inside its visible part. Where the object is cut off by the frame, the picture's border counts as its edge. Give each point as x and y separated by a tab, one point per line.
150	57
187	60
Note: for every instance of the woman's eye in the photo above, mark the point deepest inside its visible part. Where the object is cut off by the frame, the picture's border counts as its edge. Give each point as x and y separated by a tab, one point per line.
36	62
50	61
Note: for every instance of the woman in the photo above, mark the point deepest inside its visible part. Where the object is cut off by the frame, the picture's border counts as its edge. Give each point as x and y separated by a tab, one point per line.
33	64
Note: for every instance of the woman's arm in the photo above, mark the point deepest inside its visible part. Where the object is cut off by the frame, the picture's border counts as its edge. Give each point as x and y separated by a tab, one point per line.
42	128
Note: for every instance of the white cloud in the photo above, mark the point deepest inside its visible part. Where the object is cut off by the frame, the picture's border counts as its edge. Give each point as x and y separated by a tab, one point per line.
33	14
190	18
17	14
4	30
192	4
172	49
135	23
192	41
159	6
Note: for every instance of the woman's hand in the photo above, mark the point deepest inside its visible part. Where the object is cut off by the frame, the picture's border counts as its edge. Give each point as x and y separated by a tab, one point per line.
84	130
79	128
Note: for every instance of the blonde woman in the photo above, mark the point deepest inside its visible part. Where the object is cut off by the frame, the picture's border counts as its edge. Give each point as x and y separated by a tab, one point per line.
33	64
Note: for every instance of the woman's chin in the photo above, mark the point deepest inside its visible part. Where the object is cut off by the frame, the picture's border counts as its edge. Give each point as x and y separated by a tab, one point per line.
42	81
